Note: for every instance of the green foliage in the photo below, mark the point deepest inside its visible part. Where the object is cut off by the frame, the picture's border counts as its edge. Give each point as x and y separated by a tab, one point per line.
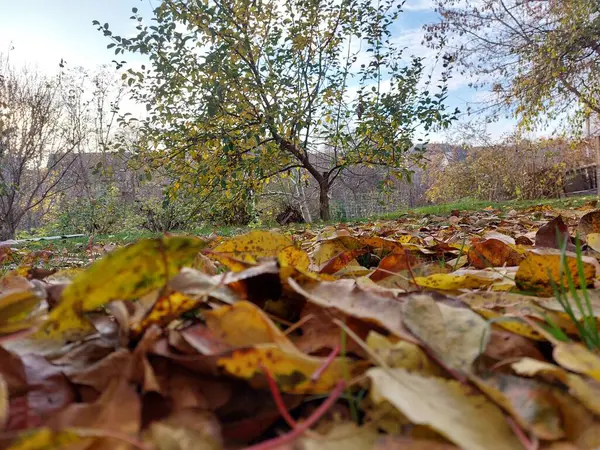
103	214
240	92
575	302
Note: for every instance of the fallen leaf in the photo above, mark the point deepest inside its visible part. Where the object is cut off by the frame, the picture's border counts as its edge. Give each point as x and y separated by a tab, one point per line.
44	439
126	273
167	307
528	401
554	235
586	391
394	262
251	247
460	279
261	345
464	417
346	435
541	268
380	306
186	430
589	224
341	260
593	241
456	335
402	355
493	253
504	345
575	357
38	390
4	403
397	443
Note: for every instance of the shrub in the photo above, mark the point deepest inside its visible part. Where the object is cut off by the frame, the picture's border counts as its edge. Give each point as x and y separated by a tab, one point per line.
515	169
103	214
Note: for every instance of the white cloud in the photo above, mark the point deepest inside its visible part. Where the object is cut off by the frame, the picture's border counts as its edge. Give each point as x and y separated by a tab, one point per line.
419	5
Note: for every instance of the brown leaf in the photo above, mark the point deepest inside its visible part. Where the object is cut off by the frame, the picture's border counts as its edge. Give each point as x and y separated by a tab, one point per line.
397	443
380	306
392	263
493	253
589	223
101	373
117	409
554	235
46	391
504	345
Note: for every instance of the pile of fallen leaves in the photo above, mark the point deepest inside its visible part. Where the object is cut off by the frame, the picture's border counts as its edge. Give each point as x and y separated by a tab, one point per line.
420	333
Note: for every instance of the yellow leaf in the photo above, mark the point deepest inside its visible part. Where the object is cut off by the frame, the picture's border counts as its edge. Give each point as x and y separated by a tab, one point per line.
4	403
19	301
507	307
291	370
461	279
328	249
44	439
261	344
401	354
167	307
575	357
456	335
593	240
293	257
244	324
251	246
125	274
454	410
540	267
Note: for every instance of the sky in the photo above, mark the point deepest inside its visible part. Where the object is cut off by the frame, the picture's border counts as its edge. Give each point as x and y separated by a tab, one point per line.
42	32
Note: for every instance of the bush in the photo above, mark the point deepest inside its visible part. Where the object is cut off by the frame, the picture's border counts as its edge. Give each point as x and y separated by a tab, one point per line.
160	216
522	170
104	214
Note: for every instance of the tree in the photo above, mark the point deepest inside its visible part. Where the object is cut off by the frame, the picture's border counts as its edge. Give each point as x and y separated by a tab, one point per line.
241	91
37	141
541	58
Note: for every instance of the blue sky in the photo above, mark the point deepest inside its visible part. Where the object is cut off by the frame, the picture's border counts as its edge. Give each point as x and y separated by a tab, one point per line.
44	31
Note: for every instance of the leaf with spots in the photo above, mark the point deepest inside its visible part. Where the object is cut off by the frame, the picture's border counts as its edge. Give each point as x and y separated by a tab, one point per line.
125	274
261	345
250	247
541	268
493	253
463	279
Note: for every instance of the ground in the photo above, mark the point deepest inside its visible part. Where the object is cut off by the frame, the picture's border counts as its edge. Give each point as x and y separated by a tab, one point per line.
471	325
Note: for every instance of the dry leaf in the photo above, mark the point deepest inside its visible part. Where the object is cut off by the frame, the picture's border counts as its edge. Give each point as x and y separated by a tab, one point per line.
464	417
456	335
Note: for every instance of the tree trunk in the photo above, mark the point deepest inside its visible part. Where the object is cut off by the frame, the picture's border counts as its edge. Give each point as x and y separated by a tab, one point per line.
6	232
324	200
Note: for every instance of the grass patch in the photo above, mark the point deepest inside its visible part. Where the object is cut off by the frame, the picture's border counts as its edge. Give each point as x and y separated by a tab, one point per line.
466	205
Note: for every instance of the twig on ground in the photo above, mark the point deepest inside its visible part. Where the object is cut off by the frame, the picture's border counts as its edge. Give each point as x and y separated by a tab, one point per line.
301	428
315	376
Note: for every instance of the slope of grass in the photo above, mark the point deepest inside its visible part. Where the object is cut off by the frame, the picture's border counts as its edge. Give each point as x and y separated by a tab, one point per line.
475	205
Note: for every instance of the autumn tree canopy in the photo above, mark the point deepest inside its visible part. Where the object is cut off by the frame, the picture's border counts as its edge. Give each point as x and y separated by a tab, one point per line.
241	91
540	57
